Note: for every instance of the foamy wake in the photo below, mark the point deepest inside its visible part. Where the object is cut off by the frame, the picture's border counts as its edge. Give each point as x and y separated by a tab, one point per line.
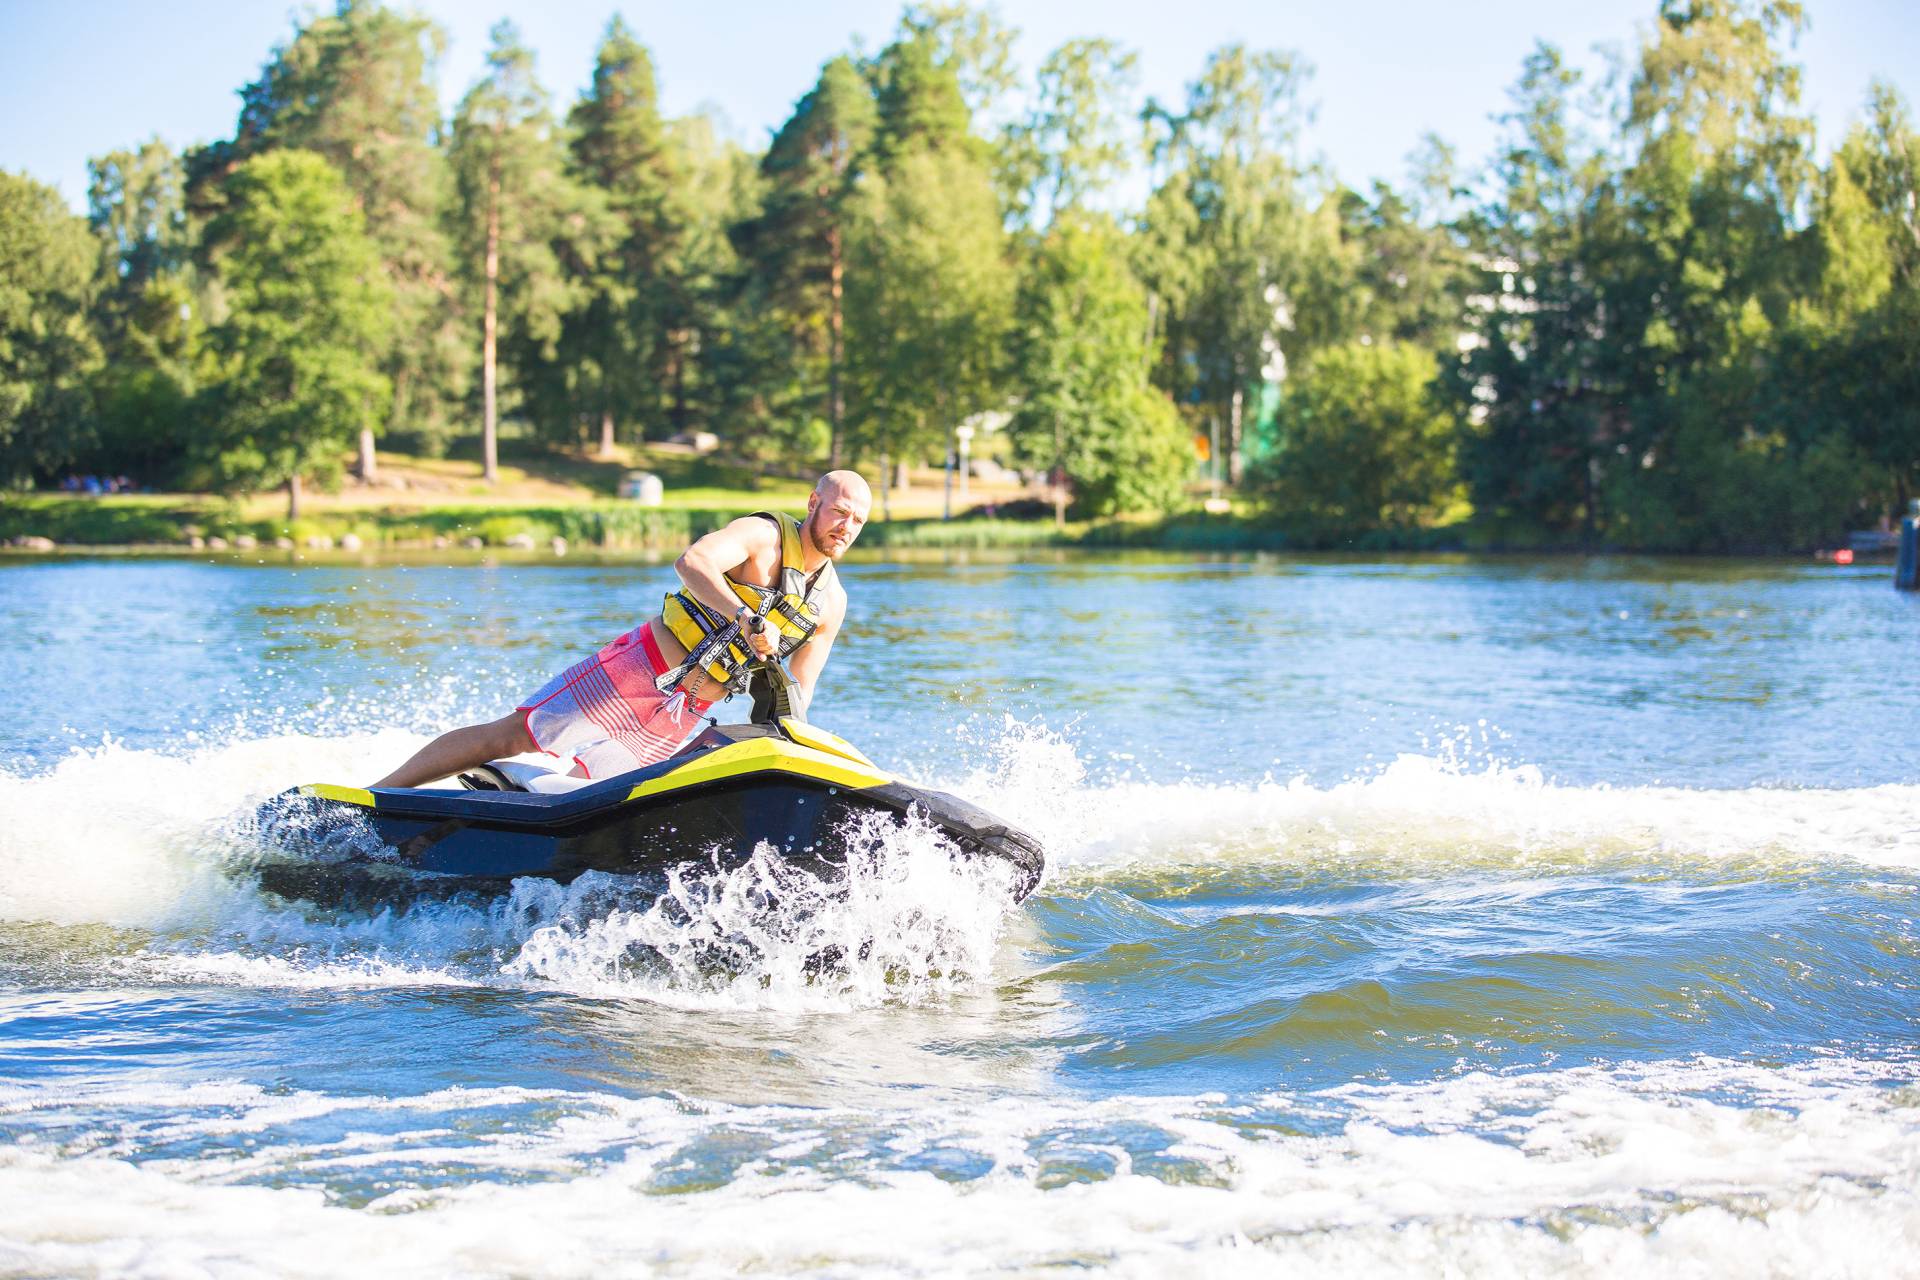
907	921
145	840
1423	813
1684	1168
150	842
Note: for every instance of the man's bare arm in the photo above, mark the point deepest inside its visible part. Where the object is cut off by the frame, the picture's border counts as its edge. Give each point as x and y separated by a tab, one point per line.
704	566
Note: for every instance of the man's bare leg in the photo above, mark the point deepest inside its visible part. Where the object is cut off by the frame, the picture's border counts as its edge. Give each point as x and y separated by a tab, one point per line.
461	749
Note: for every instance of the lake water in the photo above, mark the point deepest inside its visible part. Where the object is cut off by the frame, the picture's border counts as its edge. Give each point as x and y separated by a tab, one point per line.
1548	916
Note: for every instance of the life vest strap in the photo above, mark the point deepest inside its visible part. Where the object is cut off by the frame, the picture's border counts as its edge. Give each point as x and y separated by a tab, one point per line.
716	644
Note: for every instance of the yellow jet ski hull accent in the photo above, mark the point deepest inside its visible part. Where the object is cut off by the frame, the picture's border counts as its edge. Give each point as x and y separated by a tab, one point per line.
787	785
764	755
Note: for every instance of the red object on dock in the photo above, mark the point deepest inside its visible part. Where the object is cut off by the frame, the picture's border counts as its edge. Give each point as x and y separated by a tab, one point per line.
1843	556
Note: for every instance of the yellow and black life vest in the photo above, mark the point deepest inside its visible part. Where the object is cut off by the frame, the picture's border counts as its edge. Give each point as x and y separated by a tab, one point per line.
714	642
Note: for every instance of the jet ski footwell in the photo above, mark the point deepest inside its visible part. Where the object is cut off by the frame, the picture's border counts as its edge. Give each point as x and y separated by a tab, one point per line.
788	784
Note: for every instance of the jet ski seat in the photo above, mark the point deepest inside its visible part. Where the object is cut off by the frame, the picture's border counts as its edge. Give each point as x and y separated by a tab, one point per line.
517	775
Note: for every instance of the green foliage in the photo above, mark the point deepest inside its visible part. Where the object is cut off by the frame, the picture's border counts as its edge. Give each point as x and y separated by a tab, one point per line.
1082	357
49	278
308	310
135	520
527	234
150	319
972	533
1663	322
703	382
144	396
136	200
1407	279
616	341
1850	356
357	86
1537	385
1692	241
1762	495
1667	354
791	303
928	301
98	521
929	285
1074	143
969	41
920	104
1251	273
627	526
1363	444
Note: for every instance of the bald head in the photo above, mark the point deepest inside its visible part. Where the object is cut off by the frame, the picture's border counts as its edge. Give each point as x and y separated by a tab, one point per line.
850	484
837	511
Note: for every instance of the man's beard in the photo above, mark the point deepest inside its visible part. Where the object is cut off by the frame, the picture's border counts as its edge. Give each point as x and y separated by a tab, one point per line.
809	527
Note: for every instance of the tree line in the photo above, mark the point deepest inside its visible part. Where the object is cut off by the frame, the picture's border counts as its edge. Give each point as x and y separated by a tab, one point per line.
1656	317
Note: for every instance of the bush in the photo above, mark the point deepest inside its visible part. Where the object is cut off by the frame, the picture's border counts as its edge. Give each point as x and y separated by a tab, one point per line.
1362	447
1751	496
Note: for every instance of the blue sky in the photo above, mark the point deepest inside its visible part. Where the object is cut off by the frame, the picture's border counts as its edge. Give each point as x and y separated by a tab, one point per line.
82	77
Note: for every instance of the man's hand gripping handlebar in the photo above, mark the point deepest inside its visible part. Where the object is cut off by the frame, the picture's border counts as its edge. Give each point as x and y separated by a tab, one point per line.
784	697
763	638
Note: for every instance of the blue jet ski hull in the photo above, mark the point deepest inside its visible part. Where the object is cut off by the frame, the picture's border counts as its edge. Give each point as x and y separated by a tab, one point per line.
790	786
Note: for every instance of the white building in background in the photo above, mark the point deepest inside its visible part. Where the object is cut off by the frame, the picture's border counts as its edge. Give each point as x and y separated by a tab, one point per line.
1273	366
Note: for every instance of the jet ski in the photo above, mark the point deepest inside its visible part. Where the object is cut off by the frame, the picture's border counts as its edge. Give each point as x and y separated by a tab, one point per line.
777	780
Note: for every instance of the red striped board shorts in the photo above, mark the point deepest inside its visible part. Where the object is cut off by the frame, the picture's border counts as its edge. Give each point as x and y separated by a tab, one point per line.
606	713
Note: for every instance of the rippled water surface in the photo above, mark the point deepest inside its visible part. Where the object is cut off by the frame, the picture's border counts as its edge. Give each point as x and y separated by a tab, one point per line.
1496	917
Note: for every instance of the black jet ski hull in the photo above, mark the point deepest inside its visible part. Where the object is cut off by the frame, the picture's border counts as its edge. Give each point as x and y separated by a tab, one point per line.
733	789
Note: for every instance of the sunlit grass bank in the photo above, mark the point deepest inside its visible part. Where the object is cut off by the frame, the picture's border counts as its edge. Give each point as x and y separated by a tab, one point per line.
175	520
539	495
426	502
443	503
191	521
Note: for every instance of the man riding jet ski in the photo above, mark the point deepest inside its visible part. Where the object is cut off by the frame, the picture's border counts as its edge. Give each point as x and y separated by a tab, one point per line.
778	781
763	586
755	593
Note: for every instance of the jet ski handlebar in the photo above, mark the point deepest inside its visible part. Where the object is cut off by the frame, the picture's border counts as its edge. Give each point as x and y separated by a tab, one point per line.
776	694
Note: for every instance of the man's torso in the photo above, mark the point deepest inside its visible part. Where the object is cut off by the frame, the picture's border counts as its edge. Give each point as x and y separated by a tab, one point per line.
760	569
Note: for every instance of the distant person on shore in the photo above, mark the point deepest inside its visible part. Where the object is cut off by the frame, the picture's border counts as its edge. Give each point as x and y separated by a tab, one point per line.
635	701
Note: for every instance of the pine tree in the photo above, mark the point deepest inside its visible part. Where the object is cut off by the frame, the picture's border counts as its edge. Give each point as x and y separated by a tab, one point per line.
617	342
513	203
796	248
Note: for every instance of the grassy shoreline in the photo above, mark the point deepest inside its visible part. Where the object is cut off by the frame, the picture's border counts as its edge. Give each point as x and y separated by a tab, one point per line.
548	502
176	521
149	524
174	524
436	503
